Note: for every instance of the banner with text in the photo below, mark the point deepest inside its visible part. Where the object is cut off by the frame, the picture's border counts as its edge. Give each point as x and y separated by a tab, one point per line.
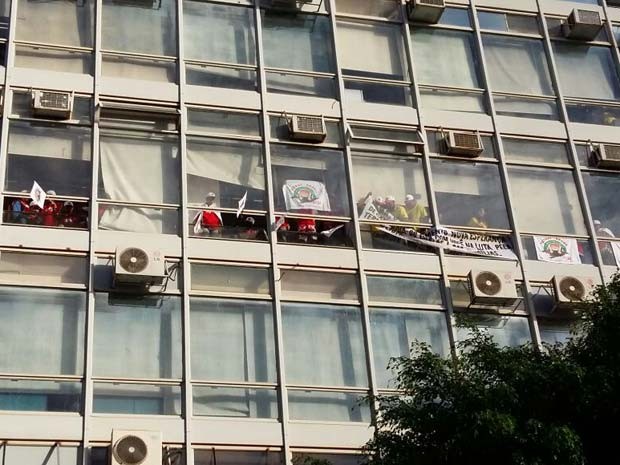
456	241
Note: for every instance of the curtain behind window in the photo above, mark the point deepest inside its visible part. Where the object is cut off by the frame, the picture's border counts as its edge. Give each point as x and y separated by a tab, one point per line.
42	331
586	71
444	58
215	32
517	65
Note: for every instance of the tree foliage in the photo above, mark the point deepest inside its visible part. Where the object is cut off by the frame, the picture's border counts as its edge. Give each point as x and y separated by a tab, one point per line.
508	405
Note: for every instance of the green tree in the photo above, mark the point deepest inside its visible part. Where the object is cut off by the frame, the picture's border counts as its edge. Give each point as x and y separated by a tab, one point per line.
508	405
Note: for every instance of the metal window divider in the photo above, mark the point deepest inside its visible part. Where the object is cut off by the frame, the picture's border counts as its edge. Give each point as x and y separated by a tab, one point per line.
92	233
269	191
573	158
505	182
432	200
187	393
7	101
356	230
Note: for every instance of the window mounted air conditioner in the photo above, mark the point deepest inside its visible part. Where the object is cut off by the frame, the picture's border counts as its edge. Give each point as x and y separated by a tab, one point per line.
307	128
606	156
570	292
582	25
52	104
136	266
492	289
136	448
465	144
425	11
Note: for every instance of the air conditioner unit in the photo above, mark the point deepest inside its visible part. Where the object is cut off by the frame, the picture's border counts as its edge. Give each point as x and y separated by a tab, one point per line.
136	448
307	128
465	144
606	156
570	292
582	25
136	266
52	104
492	289
425	11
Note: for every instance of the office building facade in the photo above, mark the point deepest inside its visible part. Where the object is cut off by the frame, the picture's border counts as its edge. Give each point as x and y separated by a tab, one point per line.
222	218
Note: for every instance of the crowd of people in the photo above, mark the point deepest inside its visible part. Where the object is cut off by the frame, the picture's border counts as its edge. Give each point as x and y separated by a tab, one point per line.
55	213
212	222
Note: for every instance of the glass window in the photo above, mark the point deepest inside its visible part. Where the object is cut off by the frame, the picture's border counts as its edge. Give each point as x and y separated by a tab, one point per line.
216	401
546	201
61	22
444	57
54	324
309	181
154	161
455	17
505	330
230	279
223	122
40	396
602	190
452	100
289	83
552	332
384	50
65	61
327	406
391	289
517	65
228	169
400	178
41	455
137	336
533	151
323	345
20	268
593	113
57	157
334	459
506	22
140	27
139	399
234	457
375	92
232	340
394	331
221	33
524	107
387	9
308	285
300	42
597	77
469	194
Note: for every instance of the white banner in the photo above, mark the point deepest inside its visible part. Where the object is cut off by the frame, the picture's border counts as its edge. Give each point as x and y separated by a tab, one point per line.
302	195
456	241
557	250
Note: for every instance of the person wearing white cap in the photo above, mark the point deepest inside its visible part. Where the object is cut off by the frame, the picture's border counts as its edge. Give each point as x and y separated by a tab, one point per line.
390	207
412	211
208	221
602	231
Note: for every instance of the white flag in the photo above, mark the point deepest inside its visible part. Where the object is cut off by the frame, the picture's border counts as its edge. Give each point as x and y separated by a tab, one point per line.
330	232
197	223
37	194
278	223
242	202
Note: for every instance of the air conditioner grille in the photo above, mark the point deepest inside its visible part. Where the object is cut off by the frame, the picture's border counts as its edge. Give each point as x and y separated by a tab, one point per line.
134	260
130	450
466	140
488	283
589	17
572	289
55	100
310	124
612	152
431	2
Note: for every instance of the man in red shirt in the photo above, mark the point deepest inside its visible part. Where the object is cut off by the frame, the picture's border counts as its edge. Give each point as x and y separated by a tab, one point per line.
210	220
